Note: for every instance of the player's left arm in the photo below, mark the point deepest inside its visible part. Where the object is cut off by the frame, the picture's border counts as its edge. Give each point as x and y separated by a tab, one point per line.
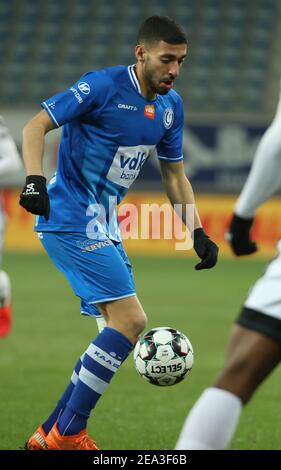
179	191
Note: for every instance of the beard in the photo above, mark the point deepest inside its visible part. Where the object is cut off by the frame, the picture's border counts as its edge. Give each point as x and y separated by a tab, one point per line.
162	90
152	84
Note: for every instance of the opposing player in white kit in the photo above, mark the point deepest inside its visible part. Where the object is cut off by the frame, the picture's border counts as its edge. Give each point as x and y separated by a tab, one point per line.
9	163
255	343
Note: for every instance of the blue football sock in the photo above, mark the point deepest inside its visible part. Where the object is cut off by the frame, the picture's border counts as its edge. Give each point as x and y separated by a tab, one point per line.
100	362
54	416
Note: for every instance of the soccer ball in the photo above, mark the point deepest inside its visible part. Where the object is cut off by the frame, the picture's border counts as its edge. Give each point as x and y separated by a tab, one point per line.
163	356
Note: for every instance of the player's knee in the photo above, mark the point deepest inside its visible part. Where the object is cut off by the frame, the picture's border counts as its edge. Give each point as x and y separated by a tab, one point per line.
139	323
127	316
130	327
133	325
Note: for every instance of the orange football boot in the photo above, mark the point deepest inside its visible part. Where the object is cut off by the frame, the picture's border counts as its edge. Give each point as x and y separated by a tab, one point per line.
37	441
81	441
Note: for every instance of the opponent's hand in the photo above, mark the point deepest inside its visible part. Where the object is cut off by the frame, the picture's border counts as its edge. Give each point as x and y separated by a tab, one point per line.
206	249
34	197
238	236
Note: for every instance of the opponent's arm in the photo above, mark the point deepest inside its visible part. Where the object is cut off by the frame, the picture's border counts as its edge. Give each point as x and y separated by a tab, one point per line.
179	191
34	197
263	181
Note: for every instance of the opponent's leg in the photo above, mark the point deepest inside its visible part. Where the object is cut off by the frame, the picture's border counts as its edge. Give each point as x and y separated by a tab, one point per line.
5	287
5	304
251	358
213	419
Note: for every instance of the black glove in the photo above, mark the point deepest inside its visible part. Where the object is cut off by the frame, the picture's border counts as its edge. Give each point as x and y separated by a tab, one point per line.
206	249
238	236
34	197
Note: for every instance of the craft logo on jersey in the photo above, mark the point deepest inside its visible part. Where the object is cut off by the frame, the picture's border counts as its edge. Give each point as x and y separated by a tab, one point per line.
84	88
127	164
168	118
127	107
149	111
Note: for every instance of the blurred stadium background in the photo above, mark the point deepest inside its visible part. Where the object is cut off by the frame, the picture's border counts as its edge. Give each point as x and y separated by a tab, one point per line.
230	86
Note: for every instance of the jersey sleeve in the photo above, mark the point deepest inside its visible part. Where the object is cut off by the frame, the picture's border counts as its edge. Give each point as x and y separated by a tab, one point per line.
90	92
170	146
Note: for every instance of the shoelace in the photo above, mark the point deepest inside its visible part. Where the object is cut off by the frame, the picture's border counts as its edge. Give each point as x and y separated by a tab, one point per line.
87	442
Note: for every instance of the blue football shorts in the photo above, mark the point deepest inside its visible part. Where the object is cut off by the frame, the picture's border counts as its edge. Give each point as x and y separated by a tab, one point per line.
98	271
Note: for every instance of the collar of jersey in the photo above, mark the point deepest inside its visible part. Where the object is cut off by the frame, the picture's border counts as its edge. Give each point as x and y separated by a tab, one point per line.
136	83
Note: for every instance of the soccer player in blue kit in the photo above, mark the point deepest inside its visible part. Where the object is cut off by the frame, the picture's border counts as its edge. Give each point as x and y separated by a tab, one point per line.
113	120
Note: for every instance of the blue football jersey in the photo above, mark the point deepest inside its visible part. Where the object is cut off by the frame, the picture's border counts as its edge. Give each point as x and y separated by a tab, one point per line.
109	131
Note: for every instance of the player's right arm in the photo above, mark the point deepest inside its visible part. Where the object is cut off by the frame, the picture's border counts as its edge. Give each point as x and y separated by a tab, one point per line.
89	93
34	197
33	142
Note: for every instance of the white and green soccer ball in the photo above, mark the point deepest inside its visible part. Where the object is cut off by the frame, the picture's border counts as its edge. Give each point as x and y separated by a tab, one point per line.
163	356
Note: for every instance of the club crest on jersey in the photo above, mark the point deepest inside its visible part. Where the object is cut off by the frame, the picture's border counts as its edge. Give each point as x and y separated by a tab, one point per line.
168	118
149	111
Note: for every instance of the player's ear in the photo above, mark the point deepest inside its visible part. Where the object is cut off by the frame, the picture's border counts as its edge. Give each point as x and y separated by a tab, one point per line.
140	52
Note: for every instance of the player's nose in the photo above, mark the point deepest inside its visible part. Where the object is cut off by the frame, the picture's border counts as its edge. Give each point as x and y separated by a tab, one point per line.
174	70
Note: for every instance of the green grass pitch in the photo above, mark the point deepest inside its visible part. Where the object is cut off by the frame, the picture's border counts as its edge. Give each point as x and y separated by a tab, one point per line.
49	334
